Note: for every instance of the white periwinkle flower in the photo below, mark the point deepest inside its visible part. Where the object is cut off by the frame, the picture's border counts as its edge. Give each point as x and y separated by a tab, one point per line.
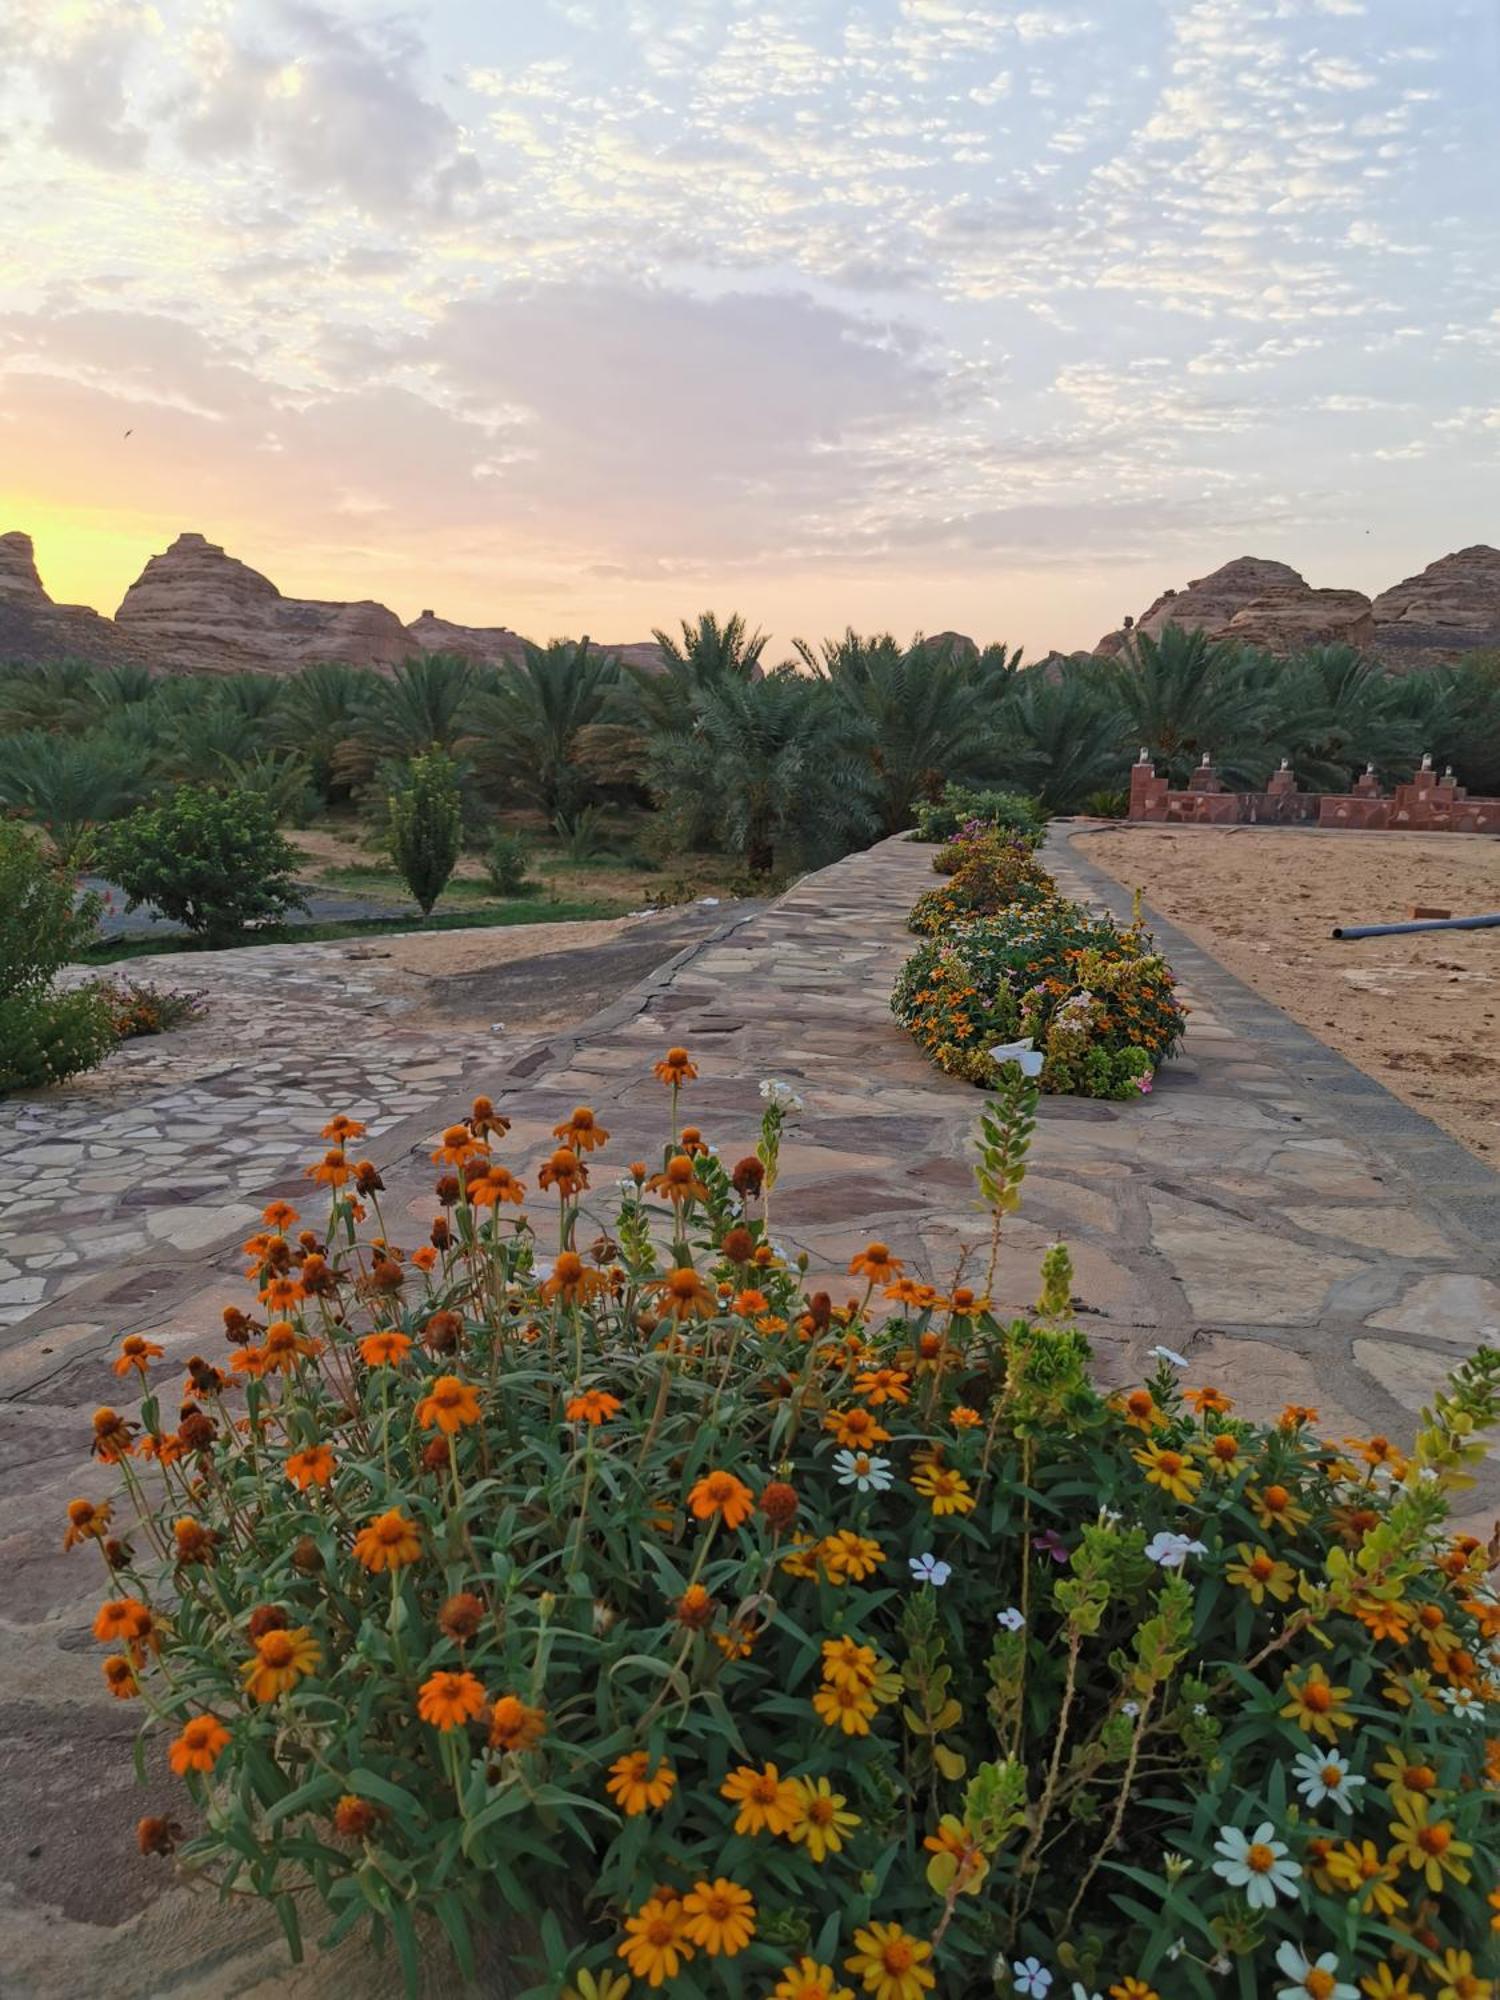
927	1569
776	1092
1027	1059
1167	1354
1172	1550
1011	1618
1030	1976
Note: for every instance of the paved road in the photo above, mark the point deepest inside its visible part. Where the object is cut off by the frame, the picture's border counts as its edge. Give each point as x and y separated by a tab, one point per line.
323	907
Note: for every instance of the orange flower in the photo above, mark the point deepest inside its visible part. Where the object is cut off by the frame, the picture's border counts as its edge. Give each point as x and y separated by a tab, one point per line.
675	1068
768	1803
281	1659
87	1520
571	1280
515	1726
448	1406
135	1352
119	1677
594	1406
635	1787
719	1916
447	1699
388	1542
1206	1401
333	1170
963	1418
339	1128
281	1294
564	1171
583	1132
384	1350
677	1181
779	1503
876	1263
855	1429
722	1493
459	1146
312	1467
684	1295
122	1618
279	1215
655	1947
111	1437
1139	1409
490	1185
200	1745
1295	1415
883	1385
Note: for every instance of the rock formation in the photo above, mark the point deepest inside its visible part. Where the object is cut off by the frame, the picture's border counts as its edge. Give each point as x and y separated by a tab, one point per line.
196	609
34	631
1259	603
1451	608
490	643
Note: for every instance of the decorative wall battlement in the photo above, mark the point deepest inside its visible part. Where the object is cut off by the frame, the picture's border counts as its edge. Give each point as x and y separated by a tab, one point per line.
1427	803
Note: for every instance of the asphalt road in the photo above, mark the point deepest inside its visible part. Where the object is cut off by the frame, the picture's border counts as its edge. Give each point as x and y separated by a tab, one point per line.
323	907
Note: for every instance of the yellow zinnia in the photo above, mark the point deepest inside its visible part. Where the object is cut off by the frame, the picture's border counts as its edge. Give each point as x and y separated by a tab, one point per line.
823	1822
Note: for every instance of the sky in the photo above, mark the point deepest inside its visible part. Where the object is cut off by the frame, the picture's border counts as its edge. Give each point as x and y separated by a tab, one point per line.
585	315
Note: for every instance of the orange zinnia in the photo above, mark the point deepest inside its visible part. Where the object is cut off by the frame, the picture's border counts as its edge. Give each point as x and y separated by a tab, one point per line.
120	1678
675	1068
635	1787
87	1520
312	1467
332	1170
594	1406
571	1280
721	1493
200	1745
279	1215
383	1350
677	1181
490	1185
876	1263
447	1700
448	1406
459	1146
684	1295
122	1618
515	1725
583	1132
390	1541
341	1127
135	1352
281	1659
856	1428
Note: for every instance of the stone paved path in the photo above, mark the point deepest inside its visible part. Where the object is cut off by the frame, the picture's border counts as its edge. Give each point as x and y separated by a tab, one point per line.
1266	1211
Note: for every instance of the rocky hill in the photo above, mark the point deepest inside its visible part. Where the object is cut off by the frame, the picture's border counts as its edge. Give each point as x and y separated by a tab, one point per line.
34	630
1452	608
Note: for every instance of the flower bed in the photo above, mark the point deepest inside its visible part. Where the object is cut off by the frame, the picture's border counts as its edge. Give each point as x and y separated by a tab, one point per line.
748	1642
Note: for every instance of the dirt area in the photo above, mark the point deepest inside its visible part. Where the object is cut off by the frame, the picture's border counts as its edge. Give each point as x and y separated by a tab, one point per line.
442	954
1420	1013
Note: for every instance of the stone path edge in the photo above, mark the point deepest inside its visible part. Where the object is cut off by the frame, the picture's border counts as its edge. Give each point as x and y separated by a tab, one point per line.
1454	1186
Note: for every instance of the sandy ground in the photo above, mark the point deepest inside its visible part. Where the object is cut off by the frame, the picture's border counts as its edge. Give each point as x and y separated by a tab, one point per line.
1420	1013
437	954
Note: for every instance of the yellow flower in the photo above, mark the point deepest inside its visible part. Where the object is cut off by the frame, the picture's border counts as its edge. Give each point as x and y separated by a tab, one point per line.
845	1708
1405	1775
824	1822
1259	1573
846	1663
656	1946
602	1986
891	1962
636	1788
1426	1846
1169	1470
1383	1984
768	1803
281	1659
944	1488
1358	1870
1314	1704
844	1556
807	1980
1274	1507
719	1916
1460	1981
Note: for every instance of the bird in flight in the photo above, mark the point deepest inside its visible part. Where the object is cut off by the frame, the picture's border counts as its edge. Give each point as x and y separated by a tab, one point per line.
130	432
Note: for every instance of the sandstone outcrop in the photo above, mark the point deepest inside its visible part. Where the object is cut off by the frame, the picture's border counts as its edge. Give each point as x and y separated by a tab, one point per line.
196	609
34	631
1259	603
484	643
1451	608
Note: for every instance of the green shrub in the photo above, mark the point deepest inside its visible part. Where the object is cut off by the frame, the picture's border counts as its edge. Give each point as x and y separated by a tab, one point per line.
210	861
426	817
138	1008
1014	812
713	1627
506	862
1111	804
1095	998
45	1034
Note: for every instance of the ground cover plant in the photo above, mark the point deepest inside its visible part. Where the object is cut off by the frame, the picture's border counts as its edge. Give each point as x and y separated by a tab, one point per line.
578	1563
1007	960
47	1032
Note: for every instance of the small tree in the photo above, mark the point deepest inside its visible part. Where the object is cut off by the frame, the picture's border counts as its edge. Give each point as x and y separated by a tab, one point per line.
210	861
44	1035
427	827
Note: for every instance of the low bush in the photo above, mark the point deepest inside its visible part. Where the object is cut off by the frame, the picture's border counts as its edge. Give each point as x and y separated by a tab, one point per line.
739	1638
993	873
1011	812
1093	997
208	860
137	1008
1111	804
46	1034
506	862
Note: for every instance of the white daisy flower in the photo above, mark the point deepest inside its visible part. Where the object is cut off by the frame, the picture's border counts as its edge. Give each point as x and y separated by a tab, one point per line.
1258	1863
1315	1978
864	1473
1463	1701
1326	1777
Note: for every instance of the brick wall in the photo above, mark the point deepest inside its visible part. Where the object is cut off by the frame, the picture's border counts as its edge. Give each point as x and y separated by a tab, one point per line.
1427	803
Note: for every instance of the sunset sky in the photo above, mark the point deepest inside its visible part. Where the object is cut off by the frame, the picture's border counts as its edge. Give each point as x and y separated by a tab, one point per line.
585	314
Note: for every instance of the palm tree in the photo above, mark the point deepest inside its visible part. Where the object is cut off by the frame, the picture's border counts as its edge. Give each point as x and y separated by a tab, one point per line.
55	695
426	705
1335	712
779	764
534	731
1182	695
1063	736
926	713
710	651
69	785
321	717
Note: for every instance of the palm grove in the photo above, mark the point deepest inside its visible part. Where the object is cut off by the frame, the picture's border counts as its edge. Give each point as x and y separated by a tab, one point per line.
774	768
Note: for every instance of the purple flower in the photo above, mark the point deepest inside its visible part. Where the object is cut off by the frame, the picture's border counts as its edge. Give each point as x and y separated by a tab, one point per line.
1050	1543
1143	1085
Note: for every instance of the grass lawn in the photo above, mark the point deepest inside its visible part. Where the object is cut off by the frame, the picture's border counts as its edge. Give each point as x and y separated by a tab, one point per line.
485	915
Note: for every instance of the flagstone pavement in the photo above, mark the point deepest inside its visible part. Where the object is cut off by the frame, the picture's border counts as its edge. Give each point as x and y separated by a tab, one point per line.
1267	1212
